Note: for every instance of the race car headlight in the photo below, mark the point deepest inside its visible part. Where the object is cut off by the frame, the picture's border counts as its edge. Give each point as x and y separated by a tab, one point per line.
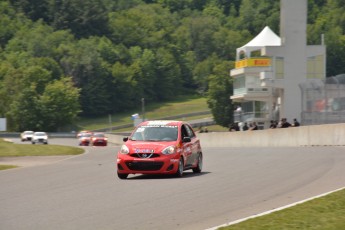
169	150
124	149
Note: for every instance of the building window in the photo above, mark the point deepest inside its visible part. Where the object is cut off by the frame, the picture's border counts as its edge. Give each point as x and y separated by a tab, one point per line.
316	67
239	85
253	110
253	82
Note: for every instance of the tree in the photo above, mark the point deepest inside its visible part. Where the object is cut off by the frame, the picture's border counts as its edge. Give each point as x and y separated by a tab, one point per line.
83	62
34	9
147	26
10	22
220	89
59	104
83	17
24	112
168	79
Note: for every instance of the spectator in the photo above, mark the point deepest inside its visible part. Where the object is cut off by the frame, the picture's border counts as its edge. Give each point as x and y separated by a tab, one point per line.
254	126
234	127
245	126
295	123
273	125
237	127
285	123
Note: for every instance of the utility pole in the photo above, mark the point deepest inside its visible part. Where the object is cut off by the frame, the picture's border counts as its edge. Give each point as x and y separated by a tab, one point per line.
110	128
143	107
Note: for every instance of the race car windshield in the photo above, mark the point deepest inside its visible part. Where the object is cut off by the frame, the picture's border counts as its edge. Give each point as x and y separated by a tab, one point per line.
155	133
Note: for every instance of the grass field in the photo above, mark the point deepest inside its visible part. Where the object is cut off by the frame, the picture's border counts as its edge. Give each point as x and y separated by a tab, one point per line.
4	167
181	105
8	149
324	213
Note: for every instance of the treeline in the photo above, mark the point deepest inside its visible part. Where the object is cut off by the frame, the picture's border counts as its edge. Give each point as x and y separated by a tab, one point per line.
68	58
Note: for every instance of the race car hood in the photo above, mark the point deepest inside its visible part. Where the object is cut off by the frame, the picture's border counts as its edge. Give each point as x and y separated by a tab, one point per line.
149	147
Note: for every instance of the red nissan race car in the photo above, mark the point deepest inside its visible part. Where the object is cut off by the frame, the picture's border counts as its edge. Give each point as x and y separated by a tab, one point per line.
160	147
99	139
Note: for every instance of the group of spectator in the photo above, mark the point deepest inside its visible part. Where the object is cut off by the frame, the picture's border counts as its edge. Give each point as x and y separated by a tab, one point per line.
283	123
235	126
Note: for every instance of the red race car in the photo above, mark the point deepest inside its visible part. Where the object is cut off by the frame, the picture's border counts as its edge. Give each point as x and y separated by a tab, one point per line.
85	139
160	147
99	139
82	132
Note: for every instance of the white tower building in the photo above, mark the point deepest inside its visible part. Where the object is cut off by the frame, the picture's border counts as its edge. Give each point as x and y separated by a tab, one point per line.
269	69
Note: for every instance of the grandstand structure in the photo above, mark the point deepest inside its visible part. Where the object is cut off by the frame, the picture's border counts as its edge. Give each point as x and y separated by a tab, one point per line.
274	74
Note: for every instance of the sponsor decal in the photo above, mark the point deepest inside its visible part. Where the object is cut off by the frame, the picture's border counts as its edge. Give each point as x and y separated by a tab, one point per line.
144	151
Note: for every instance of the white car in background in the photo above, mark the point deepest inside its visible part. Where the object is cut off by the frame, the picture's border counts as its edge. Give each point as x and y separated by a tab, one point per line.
39	137
26	135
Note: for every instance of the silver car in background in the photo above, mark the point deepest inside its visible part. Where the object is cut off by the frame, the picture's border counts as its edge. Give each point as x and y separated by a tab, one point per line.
26	135
39	137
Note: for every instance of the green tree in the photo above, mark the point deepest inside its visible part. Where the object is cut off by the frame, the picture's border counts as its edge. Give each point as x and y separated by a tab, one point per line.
125	95
83	62
335	52
34	9
168	75
255	15
59	104
220	90
24	112
10	22
147	26
83	17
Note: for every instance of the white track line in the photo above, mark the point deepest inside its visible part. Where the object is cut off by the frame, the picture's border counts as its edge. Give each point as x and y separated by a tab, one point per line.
273	210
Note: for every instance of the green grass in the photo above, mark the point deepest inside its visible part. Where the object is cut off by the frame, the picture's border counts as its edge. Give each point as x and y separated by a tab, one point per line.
4	167
181	105
324	213
8	149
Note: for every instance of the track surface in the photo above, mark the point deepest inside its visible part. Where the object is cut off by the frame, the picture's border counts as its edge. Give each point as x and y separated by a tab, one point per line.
84	192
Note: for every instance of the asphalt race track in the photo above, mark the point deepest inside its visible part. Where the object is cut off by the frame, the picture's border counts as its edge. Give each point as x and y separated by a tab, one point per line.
84	192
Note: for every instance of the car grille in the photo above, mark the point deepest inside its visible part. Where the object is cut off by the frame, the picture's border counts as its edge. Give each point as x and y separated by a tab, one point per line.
144	166
144	155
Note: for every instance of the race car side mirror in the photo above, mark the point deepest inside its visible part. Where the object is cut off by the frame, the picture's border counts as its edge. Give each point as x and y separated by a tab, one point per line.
186	139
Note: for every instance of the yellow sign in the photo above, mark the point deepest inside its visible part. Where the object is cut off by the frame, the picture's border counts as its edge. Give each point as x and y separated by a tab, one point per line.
253	62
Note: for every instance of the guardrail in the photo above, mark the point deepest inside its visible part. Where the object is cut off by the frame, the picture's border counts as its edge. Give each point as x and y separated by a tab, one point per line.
314	135
51	135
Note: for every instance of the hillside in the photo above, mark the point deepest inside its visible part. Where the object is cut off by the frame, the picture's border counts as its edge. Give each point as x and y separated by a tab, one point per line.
60	60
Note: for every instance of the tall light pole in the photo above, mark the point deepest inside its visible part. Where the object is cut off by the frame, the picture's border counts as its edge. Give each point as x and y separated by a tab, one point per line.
110	123
143	107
